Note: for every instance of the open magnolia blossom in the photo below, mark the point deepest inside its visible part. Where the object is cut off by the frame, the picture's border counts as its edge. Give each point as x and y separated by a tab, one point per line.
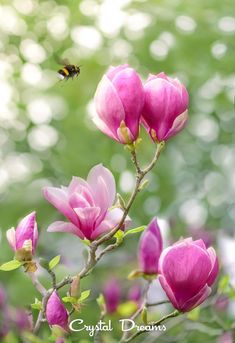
86	204
187	271
119	101
26	234
165	109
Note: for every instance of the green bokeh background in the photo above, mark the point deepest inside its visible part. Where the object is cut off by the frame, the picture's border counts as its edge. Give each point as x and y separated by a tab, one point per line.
47	135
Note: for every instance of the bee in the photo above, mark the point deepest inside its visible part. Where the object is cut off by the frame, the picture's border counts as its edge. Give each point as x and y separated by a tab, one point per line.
68	71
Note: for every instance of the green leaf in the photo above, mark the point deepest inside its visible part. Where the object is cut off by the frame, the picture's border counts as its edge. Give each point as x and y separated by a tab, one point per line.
84	295
37	305
11	265
194	314
31	338
53	263
136	230
134	274
86	241
119	236
71	300
127	309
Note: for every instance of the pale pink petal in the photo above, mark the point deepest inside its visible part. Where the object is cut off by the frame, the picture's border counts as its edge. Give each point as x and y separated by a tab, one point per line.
61	226
113	71
111	220
178	124
11	238
58	198
103	186
215	266
108	105
103	127
26	231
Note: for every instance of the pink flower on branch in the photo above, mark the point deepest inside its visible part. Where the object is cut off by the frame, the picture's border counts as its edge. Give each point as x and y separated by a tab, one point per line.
187	271
112	295
86	204
26	234
165	110
119	101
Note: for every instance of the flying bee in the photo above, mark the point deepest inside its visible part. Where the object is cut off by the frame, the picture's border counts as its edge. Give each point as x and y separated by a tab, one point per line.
68	71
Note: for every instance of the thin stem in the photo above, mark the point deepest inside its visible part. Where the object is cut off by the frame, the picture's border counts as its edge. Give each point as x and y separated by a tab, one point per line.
37	284
53	277
158	303
158	322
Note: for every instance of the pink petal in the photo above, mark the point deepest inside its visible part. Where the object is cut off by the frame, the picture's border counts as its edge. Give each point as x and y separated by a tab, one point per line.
111	220
58	198
168	291
186	268
11	238
61	226
215	266
26	230
87	218
198	299
113	71
103	186
178	124
103	127
108	105
132	100
56	312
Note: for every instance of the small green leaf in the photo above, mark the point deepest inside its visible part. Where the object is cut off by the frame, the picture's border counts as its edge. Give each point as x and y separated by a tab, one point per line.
86	241
53	263
11	265
84	295
37	305
136	230
135	274
119	236
143	185
71	300
194	314
127	309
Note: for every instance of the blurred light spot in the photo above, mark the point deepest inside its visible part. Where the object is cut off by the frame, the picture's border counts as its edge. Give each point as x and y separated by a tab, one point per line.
159	50
121	48
152	205
168	38
25	7
87	36
127	181
10	22
21	166
227	24
185	23
138	21
193	212
118	163
58	27
6	69
218	50
42	137
32	51
211	88
110	18
89	7
205	128
6	93
39	111
4	178
31	73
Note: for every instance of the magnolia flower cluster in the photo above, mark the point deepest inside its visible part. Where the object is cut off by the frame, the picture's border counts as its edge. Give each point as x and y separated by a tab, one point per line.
122	102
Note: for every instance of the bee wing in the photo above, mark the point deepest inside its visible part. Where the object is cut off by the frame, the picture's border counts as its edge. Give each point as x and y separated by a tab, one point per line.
62	61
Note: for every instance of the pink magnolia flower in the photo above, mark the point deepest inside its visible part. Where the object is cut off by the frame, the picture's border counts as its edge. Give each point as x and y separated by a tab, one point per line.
135	294
56	313
86	204
187	271
150	248
119	101
165	109
112	295
25	235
